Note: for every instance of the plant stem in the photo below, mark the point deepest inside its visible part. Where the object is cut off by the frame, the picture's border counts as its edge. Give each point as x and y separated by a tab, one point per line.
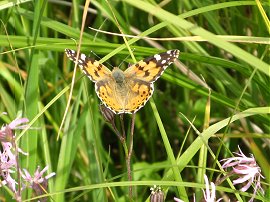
129	154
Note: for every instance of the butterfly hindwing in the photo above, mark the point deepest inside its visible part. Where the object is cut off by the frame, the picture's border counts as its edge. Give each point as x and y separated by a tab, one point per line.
105	90
140	93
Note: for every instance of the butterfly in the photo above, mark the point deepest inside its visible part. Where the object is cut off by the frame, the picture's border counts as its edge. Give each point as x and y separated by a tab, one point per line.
125	91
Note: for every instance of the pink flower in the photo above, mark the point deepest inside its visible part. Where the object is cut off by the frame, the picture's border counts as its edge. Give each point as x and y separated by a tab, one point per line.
156	194
8	160
38	176
247	169
9	181
7	165
9	156
38	183
14	124
209	195
6	133
177	199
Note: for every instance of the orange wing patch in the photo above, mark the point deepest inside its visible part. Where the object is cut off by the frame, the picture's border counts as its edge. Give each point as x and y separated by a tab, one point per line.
151	68
146	72
106	93
92	68
135	98
95	71
139	95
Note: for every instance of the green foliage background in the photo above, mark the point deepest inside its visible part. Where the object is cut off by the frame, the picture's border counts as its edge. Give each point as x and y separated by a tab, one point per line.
89	161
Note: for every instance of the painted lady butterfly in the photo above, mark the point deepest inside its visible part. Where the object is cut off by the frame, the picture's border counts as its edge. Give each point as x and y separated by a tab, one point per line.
125	91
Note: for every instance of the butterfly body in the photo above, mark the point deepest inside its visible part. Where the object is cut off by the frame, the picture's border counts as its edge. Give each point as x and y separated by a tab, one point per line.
125	91
118	75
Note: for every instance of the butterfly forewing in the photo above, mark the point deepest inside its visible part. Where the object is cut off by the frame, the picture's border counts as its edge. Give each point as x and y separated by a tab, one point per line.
151	68
90	67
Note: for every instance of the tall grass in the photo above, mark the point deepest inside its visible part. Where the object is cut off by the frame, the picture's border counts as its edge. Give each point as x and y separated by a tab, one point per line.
216	98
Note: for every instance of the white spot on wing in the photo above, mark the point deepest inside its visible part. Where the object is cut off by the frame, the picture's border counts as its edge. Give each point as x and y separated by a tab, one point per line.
157	57
165	67
83	56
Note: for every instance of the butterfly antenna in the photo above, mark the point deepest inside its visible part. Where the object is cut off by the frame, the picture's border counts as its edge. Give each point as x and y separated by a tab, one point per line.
92	52
126	58
99	28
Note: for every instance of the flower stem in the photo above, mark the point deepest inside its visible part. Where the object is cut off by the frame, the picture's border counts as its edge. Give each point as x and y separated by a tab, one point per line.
129	154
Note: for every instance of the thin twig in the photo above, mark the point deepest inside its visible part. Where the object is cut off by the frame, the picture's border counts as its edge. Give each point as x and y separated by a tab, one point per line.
121	137
86	5
122	125
129	154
